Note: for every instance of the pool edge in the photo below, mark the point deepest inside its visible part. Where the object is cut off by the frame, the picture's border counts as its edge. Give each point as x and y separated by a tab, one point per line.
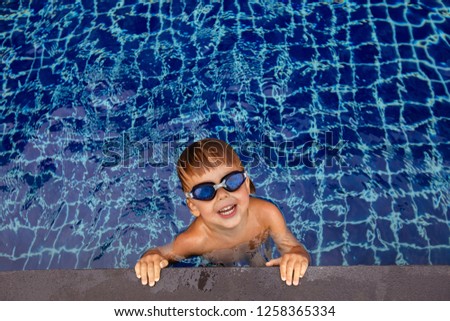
325	283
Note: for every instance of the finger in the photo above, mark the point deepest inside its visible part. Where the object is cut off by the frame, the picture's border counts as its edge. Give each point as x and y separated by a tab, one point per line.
303	269
163	264
297	271
143	273
157	270
151	273
289	272
137	270
283	270
274	262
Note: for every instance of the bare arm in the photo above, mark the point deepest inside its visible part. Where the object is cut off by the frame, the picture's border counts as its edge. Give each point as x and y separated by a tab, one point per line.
294	258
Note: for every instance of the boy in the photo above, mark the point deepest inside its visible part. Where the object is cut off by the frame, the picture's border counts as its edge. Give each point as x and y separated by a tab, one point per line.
227	220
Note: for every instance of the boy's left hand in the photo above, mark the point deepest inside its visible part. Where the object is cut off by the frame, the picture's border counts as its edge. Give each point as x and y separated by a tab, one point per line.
292	267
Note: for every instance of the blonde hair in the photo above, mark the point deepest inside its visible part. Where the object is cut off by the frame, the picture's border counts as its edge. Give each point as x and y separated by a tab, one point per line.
205	154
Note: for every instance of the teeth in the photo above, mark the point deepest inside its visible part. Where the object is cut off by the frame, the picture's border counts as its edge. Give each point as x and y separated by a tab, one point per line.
227	210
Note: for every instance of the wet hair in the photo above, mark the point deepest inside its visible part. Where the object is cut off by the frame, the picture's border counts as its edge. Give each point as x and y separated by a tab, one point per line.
204	155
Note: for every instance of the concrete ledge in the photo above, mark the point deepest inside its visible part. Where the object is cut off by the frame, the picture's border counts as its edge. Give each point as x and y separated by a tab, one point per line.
320	283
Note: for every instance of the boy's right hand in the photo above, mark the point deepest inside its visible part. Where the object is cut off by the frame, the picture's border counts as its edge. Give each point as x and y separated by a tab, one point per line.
148	268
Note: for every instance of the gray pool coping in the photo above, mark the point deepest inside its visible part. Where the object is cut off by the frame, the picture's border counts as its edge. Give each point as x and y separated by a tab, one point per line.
326	283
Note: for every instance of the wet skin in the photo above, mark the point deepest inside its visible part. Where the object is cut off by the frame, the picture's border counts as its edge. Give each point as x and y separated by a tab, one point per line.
228	221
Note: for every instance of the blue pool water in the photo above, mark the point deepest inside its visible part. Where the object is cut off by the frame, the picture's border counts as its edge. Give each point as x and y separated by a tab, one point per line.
340	110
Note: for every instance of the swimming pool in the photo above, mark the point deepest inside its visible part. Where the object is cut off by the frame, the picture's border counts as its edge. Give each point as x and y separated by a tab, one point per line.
340	109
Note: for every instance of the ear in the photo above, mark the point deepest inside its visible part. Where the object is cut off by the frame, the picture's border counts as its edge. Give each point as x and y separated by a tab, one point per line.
247	184
194	210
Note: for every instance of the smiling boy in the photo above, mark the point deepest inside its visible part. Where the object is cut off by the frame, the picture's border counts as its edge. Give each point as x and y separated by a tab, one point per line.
228	221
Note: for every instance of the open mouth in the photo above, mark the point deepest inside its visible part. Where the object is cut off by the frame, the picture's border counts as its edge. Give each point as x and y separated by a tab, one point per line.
228	211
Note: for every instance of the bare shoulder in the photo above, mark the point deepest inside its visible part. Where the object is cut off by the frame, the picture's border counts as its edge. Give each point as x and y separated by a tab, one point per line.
189	242
269	215
266	212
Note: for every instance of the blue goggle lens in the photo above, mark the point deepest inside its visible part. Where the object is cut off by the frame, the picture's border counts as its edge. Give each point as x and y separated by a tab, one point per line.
204	192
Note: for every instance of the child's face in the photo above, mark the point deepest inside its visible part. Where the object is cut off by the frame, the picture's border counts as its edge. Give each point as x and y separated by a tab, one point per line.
226	209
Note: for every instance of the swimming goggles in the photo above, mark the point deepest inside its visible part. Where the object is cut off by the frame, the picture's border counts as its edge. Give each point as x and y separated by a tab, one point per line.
207	191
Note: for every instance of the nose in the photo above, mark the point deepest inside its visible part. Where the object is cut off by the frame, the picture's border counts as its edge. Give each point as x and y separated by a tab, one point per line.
221	193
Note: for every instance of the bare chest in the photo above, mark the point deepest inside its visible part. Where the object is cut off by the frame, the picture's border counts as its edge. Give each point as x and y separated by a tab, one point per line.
253	252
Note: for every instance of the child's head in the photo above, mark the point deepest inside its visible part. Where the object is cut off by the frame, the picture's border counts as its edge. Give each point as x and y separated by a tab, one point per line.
205	155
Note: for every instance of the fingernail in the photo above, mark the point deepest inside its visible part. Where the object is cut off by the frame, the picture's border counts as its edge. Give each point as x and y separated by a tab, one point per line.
156	280
152	283
288	283
138	276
